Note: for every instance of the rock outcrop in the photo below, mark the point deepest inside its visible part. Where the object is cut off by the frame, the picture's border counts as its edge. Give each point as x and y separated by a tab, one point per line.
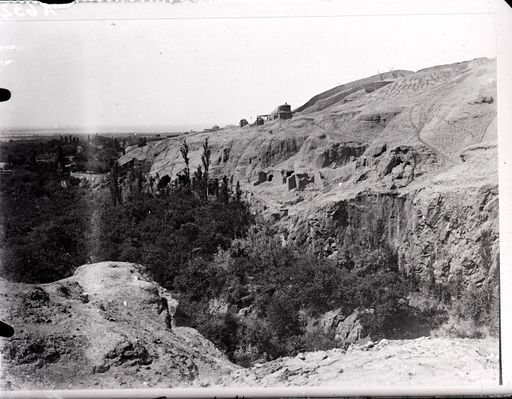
347	329
106	326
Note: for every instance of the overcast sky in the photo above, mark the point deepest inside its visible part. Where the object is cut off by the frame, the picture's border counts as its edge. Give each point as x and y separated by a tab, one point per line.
123	74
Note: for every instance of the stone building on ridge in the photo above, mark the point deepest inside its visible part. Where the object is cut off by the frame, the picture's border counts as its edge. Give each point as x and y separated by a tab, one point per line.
281	112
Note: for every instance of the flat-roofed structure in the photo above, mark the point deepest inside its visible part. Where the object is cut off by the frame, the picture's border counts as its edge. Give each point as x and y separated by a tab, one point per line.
282	112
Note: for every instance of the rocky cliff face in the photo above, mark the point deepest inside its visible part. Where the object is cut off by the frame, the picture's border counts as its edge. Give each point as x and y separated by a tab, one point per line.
406	161
447	227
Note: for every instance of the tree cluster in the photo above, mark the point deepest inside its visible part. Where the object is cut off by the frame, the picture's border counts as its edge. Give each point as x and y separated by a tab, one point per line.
45	226
273	290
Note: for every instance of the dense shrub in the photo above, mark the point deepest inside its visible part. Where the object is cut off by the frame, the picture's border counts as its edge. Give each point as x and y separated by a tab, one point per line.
276	285
474	314
172	235
45	226
472	310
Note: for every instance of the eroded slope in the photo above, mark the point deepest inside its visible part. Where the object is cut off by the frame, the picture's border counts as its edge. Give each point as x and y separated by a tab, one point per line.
408	162
106	326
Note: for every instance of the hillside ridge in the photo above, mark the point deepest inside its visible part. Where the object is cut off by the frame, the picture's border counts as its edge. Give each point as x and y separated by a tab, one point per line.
403	149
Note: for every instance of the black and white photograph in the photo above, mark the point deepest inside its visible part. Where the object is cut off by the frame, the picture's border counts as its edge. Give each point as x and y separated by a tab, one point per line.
223	194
